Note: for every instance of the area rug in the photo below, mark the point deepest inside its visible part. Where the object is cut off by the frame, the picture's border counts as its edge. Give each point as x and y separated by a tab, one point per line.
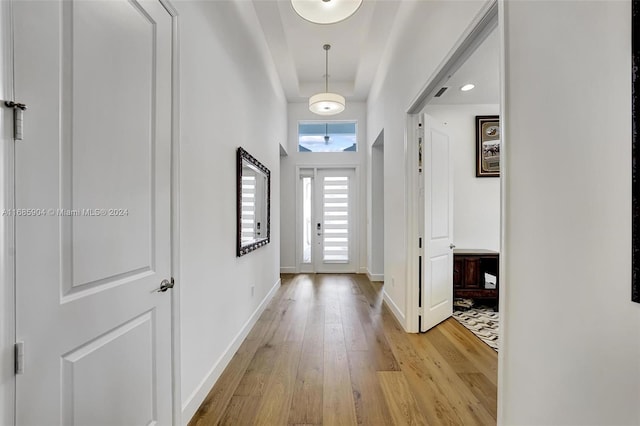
481	321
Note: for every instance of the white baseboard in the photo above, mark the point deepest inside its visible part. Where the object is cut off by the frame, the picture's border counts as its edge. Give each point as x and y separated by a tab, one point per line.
191	405
394	309
363	270
375	277
287	269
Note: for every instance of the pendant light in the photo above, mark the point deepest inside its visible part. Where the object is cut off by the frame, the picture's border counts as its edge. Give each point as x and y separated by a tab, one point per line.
325	11
326	103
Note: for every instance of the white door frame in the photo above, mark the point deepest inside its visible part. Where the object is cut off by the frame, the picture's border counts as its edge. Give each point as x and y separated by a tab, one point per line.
477	31
7	224
356	211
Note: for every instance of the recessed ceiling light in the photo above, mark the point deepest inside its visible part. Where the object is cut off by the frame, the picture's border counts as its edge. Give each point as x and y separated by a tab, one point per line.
467	87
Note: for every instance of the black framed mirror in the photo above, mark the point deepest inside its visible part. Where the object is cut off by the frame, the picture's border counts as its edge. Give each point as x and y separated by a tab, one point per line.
253	203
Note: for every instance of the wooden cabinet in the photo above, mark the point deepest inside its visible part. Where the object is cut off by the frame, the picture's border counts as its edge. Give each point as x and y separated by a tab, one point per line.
469	269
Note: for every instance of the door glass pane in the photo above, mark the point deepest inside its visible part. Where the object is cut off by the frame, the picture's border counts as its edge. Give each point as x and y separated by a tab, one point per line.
306	220
335	219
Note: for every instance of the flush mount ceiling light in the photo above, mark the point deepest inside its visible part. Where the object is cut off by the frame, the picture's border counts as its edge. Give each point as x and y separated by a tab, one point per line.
467	87
326	103
325	11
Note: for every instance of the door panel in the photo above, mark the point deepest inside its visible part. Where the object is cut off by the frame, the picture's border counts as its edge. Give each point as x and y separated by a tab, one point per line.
127	351
96	77
437	291
437	155
96	85
439	277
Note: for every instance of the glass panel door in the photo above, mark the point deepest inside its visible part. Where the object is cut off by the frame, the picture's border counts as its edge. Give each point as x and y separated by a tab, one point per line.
334	224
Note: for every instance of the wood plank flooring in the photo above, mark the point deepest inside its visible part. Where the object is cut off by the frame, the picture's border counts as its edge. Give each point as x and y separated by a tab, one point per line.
326	351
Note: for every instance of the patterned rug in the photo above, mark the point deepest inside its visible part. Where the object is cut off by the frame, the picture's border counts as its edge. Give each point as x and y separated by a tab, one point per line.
481	321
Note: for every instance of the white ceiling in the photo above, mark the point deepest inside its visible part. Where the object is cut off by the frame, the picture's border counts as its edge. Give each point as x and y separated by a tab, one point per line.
357	44
481	69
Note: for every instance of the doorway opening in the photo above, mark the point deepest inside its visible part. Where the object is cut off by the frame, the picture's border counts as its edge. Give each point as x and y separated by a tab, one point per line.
455	210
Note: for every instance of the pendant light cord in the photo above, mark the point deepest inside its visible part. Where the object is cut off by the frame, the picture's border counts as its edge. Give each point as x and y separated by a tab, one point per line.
326	67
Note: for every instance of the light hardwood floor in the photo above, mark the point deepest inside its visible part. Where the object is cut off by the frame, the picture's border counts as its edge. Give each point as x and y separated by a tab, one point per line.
326	351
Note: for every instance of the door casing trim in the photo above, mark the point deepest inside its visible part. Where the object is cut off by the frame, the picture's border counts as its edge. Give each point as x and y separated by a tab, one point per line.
7	240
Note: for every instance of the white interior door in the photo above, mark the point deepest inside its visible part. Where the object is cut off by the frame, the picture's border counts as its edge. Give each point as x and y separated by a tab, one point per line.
328	217
94	167
437	256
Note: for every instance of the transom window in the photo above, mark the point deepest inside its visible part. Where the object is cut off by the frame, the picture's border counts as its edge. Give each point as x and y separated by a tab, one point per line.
327	136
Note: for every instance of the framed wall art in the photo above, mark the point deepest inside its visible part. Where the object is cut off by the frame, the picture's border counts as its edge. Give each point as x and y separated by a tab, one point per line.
487	146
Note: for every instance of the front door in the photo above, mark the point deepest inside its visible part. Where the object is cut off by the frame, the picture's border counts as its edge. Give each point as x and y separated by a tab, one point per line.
328	220
93	216
437	207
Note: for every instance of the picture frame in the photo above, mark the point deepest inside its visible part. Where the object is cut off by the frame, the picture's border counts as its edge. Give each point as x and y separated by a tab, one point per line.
488	136
635	108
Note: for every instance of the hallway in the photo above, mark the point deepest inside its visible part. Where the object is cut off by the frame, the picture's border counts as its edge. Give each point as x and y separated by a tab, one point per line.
326	351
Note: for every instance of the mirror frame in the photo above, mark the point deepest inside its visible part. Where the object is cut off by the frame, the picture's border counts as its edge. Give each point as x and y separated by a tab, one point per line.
241	250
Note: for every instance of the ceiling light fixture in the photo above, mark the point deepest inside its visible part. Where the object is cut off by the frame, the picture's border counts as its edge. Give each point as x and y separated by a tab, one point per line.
326	103
325	11
467	87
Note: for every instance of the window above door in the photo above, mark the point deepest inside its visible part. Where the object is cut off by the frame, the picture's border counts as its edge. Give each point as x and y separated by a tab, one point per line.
327	136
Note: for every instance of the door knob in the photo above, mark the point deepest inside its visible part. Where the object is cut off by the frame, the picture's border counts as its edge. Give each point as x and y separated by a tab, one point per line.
166	285
452	246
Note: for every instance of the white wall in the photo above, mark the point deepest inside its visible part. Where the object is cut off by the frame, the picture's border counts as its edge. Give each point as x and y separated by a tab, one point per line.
230	97
571	352
424	34
476	201
298	112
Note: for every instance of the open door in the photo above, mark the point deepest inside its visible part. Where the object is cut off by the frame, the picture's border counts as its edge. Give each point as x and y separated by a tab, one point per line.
93	246
436	260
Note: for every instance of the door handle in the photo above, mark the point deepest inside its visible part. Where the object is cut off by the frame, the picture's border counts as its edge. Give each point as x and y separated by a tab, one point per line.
452	246
166	285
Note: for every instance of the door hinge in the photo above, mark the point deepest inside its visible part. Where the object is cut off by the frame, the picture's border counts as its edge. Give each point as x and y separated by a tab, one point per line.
421	311
19	357
18	112
420	135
